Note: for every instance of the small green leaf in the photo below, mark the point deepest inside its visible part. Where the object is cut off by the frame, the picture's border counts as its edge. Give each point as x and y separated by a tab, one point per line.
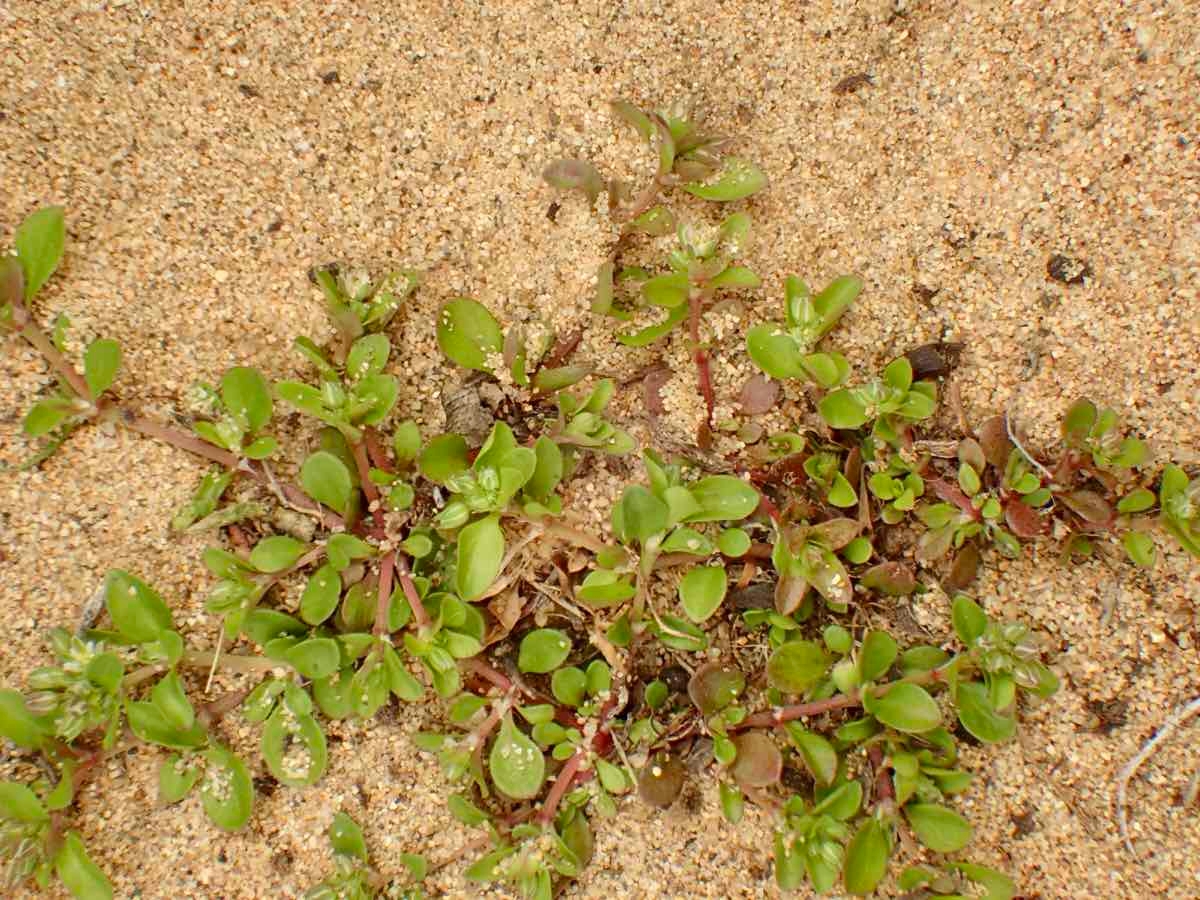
17	724
876	655
76	870
39	242
1136	501
723	498
843	495
796	666
516	764
970	621
101	361
136	609
639	515
735	278
19	804
326	479
468	334
480	552
820	757
701	591
321	595
46	415
543	650
866	858
1139	546
652	333
227	791
775	351
368	356
977	715
406	442
168	695
998	885
548	472
466	811
603	587
276	553
569	685
737	179
347	838
842	409
175	779
733	542
938	828
906	707
445	456
247	397
315	657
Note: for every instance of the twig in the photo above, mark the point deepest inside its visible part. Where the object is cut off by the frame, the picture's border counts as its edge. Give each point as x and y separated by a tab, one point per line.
1012	436
1126	774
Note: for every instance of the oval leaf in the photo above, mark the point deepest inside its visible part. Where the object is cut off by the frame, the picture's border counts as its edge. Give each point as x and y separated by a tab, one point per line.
796	666
938	828
468	334
702	590
480	552
906	707
543	650
516	764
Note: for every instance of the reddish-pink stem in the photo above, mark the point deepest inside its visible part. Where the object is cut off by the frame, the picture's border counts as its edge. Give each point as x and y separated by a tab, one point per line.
387	566
478	667
700	356
775	717
562	784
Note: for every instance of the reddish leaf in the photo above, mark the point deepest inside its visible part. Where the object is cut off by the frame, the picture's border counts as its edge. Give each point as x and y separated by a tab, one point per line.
892	578
993	438
1023	520
759	395
662	781
759	762
714	686
789	594
963	570
1089	506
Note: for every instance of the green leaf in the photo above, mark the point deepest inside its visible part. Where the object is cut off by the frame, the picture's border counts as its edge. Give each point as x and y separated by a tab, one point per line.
247	397
136	609
172	702
843	496
1139	546
543	650
722	498
347	838
796	666
468	334
368	355
19	804
100	364
639	515
301	740
276	553
735	278
669	290
866	858
1138	500
977	715
702	590
906	707
733	542
315	657
466	811
569	685
46	415
998	885
76	870
1078	422
548	472
656	221
480	552
17	724
898	375
938	828
843	409
775	351
39	242
652	333
445	456
227	791
175	779
970	621
400	681
406	442
876	655
737	179
604	587
326	479
321	595
516	764
148	722
820	757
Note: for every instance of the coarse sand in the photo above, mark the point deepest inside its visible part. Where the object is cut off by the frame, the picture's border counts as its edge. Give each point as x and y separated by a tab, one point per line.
209	153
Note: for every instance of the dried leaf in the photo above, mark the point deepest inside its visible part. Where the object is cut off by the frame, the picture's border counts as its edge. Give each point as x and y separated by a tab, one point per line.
652	385
963	569
1023	519
993	438
1089	506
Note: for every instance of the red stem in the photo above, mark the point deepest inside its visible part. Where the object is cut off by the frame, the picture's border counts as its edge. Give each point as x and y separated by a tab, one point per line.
772	718
562	784
700	356
387	567
478	667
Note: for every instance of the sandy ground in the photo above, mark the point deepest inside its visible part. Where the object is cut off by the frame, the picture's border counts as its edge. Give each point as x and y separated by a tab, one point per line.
209	153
